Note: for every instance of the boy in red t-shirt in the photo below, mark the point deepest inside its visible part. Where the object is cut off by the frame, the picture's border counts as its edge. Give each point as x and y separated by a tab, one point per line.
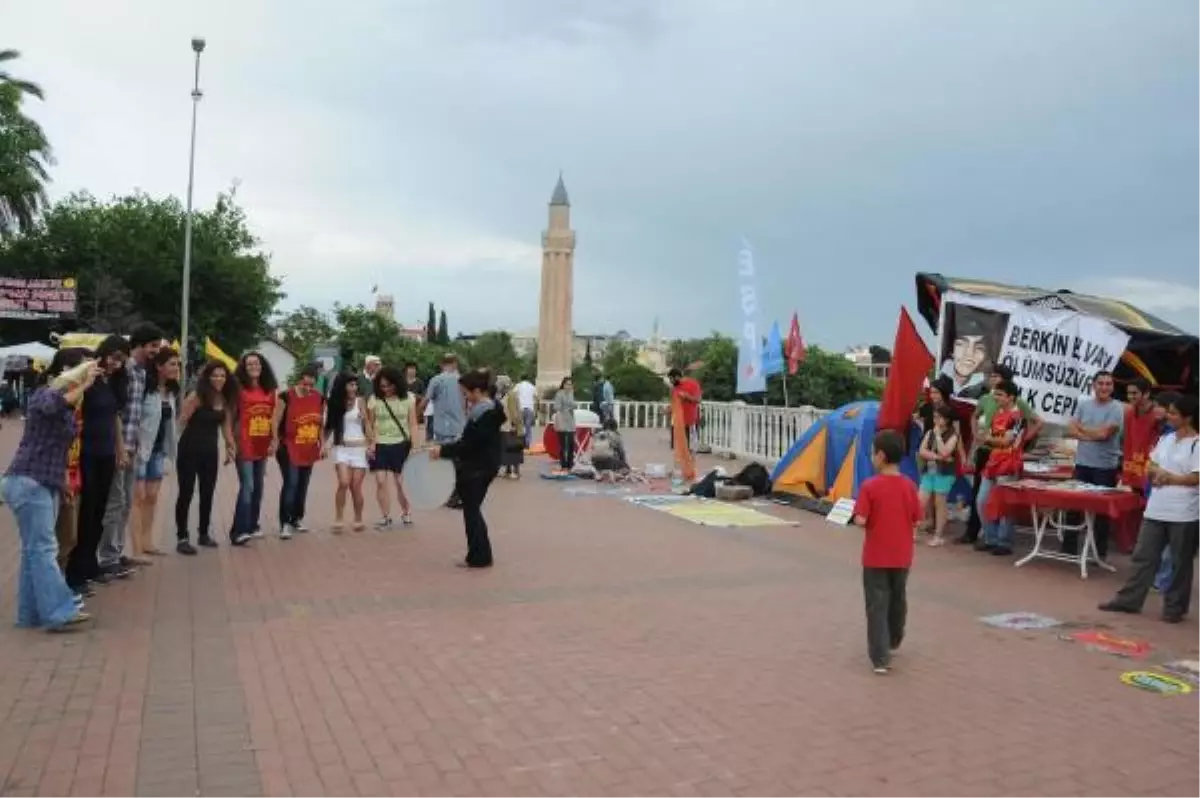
890	510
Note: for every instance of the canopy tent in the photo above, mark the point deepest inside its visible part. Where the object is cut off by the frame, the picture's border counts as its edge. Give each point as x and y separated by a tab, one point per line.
833	456
31	351
1158	351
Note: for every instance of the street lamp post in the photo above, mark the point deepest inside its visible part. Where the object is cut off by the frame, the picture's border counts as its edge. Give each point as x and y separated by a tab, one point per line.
197	48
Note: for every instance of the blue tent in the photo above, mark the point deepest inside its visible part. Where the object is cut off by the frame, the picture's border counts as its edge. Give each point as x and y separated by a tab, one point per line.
833	457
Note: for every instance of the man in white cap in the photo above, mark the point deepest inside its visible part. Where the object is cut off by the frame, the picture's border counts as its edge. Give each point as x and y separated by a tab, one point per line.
366	383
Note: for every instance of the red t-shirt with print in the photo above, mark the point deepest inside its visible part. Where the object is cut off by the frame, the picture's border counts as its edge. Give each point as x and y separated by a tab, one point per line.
891	507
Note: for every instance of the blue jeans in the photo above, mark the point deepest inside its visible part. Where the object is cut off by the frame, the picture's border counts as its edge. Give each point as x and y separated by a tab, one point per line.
995	533
250	492
43	598
527	417
1166	569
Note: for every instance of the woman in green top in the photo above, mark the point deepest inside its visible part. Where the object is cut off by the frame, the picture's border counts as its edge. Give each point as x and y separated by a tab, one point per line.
391	419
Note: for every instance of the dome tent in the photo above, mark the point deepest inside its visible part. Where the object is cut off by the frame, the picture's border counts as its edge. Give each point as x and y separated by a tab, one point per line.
833	457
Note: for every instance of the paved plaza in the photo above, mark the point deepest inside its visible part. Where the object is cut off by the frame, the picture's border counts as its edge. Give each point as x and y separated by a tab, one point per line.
612	650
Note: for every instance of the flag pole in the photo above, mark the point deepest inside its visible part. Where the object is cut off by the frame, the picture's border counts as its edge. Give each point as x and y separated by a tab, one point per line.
784	377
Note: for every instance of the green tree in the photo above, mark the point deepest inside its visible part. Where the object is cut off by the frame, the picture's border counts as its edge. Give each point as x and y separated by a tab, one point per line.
824	379
636	383
528	364
431	326
683	354
616	355
125	256
443	330
303	328
494	350
25	153
361	331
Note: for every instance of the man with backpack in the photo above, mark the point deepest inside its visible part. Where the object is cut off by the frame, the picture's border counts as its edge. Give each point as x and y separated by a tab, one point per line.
603	399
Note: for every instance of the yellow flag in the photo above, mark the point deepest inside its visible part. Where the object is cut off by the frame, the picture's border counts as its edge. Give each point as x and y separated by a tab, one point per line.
211	350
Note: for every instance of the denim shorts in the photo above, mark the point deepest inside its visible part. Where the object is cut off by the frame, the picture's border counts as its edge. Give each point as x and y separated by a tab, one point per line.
937	483
154	469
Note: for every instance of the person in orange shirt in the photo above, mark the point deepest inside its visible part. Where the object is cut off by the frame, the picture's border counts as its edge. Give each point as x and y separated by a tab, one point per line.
298	417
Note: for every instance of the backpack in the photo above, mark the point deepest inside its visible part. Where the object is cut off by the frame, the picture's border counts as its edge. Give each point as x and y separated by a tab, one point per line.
756	477
707	487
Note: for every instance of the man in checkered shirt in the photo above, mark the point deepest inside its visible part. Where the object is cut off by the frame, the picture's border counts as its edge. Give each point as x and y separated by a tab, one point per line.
144	344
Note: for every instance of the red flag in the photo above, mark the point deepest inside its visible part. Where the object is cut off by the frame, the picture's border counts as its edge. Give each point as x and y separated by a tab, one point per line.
795	346
911	363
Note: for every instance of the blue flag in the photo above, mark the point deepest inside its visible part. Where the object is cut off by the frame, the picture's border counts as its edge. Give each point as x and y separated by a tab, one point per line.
772	360
750	378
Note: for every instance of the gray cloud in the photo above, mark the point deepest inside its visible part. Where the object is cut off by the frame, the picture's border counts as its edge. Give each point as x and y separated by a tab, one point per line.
854	143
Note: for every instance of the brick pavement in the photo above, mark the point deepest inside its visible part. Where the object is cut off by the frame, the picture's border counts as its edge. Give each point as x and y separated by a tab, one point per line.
613	650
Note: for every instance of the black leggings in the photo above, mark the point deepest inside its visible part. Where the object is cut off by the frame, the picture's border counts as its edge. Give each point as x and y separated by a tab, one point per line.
97	477
193	467
566	449
472	489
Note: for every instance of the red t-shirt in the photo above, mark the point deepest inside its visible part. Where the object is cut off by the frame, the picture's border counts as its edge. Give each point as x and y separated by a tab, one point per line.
890	504
1141	435
302	427
1006	461
256	413
691	410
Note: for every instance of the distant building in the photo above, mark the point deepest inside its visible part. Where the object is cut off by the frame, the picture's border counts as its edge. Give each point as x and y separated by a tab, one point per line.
281	359
860	356
385	305
414	333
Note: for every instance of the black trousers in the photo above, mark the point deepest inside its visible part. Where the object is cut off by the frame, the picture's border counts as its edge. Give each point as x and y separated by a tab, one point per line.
193	467
293	496
975	523
566	449
472	489
885	591
1092	476
97	477
1182	538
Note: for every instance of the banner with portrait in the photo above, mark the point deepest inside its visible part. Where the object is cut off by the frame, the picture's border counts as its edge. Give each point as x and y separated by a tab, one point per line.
1054	354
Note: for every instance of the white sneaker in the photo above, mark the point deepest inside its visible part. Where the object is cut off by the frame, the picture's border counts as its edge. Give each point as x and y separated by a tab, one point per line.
383	523
257	533
406	519
285	532
299	526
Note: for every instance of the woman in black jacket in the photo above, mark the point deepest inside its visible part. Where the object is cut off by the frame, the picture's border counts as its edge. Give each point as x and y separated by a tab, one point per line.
476	458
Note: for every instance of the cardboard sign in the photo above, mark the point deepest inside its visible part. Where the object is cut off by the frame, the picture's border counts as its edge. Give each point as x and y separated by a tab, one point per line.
842	513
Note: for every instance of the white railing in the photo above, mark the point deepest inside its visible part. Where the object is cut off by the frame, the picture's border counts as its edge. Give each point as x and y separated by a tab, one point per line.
745	431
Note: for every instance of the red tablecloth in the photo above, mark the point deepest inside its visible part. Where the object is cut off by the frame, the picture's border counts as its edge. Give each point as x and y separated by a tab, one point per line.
1114	504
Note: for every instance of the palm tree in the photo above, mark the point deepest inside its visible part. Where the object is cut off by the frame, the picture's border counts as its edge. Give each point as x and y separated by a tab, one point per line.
22	86
24	153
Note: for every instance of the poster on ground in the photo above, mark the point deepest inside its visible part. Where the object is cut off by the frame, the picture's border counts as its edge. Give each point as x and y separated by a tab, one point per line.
37	298
1055	354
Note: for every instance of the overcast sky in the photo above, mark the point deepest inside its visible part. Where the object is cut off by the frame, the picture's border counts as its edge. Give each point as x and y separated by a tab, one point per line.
415	145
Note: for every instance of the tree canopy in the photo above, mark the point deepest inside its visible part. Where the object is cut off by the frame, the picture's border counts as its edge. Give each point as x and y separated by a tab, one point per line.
126	256
25	154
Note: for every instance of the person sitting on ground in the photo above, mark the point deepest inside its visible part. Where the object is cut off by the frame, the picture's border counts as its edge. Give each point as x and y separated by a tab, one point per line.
608	450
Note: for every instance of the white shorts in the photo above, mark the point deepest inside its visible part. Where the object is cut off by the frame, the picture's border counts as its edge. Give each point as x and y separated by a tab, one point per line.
353	456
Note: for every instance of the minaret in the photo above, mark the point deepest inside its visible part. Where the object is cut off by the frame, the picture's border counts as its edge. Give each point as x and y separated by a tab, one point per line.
555	332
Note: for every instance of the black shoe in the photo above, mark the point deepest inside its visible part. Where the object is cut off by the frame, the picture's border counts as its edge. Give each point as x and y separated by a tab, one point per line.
964	540
1001	551
185	547
1113	606
83	591
981	545
103	578
1172	619
207	541
127	563
118	571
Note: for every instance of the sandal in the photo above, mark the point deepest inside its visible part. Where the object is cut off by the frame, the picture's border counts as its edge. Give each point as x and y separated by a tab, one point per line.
336	528
934	542
359	526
